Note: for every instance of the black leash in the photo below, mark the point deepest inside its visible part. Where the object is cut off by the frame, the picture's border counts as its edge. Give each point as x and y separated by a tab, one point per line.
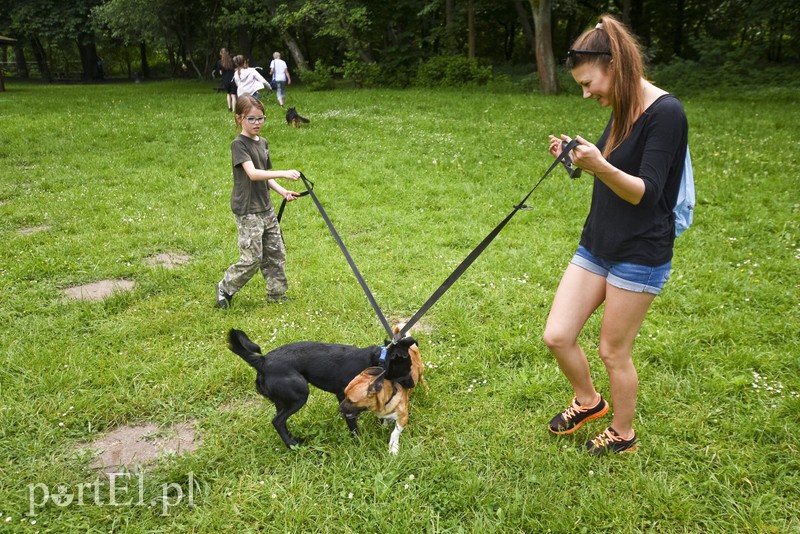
338	239
469	260
304	193
479	249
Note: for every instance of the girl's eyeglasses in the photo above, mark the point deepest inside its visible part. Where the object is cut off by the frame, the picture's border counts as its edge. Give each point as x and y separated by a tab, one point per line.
255	120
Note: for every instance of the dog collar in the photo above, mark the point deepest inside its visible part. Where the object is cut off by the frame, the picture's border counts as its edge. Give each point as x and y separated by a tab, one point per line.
394	392
382	358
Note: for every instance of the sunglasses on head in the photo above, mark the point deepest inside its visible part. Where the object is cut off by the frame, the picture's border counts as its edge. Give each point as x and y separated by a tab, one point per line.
571	53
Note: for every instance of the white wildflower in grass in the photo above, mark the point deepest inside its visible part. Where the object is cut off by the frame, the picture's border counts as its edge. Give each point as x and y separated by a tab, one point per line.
411	477
774	387
349	495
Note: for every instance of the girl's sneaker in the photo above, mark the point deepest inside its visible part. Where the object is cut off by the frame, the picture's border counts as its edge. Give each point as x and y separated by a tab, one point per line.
575	415
223	299
610	442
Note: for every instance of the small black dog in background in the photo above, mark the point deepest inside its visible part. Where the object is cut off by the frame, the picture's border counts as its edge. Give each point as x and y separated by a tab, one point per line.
294	118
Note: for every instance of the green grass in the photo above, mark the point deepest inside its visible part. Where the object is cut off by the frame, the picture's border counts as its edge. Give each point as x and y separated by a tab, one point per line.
413	180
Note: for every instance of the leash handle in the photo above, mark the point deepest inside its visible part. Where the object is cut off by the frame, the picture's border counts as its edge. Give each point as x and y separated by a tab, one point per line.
304	193
339	242
470	259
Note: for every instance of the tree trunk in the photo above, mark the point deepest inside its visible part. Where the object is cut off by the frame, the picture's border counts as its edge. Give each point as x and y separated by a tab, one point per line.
451	43
22	64
545	63
527	29
294	51
471	29
244	43
145	64
677	32
88	53
41	59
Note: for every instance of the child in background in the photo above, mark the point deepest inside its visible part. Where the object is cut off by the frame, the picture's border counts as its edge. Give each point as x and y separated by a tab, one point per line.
226	69
248	80
260	241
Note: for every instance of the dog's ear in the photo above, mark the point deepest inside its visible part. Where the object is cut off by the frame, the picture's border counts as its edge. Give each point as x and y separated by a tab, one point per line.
377	379
408	341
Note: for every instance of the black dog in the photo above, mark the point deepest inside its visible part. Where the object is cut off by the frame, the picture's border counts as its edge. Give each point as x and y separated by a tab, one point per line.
293	118
284	373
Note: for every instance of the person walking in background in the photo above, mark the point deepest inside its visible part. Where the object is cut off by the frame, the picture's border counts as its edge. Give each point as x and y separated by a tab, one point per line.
625	252
279	71
260	242
226	70
248	80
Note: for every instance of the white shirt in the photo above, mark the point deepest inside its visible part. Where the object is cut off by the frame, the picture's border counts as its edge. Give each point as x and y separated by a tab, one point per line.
248	81
278	68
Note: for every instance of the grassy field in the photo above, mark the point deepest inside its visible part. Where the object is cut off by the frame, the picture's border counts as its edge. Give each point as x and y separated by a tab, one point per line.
111	175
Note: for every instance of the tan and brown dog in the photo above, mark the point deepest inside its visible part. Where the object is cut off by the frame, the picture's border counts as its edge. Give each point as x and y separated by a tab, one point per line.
385	398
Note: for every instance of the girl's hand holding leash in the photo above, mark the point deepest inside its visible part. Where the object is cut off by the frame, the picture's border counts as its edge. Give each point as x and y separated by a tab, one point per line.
290	195
292	175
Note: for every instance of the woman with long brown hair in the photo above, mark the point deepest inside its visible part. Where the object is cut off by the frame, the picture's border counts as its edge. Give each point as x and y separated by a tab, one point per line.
226	69
625	253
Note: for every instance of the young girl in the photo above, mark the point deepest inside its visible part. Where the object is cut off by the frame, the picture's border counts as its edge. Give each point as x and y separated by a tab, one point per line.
248	80
260	242
226	69
625	252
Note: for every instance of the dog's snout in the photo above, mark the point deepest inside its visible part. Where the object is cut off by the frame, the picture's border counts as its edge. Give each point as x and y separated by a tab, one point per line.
349	410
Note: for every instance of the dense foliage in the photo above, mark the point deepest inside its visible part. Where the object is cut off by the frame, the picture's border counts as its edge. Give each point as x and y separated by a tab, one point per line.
370	42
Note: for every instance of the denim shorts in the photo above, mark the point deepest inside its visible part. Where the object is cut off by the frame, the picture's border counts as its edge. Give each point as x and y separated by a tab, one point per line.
629	276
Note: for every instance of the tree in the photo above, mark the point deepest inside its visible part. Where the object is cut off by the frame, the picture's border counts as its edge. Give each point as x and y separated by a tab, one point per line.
545	62
130	22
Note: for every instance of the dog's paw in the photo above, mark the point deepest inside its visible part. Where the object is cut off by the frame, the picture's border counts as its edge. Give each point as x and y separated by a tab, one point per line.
294	442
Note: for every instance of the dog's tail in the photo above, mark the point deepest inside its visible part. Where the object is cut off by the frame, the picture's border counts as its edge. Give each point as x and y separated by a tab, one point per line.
303	119
249	351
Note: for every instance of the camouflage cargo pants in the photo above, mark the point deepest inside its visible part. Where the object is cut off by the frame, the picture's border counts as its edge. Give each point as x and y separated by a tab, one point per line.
260	248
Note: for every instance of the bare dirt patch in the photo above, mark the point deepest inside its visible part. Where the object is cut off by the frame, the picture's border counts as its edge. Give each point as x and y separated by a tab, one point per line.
420	326
168	260
135	447
99	290
33	229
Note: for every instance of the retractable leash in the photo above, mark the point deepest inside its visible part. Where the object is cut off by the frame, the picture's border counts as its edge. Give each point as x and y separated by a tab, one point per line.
563	157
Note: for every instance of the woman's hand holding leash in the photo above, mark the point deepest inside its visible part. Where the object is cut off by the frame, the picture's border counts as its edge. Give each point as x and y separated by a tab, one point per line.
586	156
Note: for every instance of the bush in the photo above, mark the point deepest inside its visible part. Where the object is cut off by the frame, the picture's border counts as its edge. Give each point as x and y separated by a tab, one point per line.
319	79
720	66
451	71
360	73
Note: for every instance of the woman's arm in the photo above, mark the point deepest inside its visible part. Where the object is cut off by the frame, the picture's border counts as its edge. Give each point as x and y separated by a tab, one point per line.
588	157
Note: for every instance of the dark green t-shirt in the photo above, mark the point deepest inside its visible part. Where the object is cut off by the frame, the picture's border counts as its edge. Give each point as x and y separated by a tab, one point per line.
249	196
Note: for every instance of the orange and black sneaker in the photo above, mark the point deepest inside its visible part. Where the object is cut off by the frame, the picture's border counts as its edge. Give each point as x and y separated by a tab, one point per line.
610	442
575	415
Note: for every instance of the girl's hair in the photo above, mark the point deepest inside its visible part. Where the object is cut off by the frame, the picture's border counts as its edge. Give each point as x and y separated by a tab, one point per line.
225	57
244	104
239	62
615	49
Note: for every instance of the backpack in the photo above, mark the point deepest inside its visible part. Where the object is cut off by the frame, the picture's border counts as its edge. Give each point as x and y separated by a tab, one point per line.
684	207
